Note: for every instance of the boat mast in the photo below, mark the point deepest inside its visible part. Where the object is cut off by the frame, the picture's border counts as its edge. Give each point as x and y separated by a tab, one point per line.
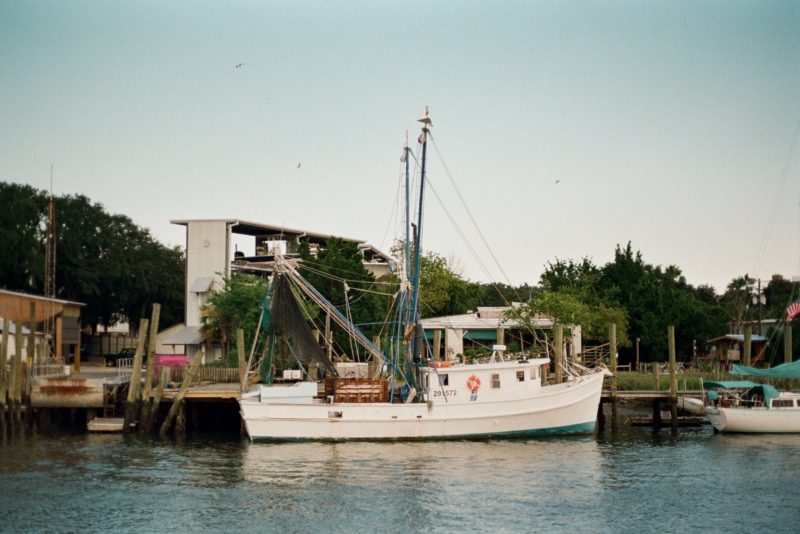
423	139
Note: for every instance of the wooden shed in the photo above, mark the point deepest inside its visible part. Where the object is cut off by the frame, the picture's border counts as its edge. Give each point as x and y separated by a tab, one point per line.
61	318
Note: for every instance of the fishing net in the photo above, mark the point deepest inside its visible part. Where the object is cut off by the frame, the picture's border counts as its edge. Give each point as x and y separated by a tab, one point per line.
287	321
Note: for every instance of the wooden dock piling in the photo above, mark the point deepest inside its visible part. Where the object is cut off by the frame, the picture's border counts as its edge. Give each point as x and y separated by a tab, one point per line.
134	389
612	347
147	401
178	402
673	379
558	349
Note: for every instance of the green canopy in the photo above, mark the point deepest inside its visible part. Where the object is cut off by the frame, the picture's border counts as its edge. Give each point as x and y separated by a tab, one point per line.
785	370
729	384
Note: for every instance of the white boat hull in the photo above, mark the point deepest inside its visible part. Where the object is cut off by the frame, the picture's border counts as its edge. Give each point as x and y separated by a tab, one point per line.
558	409
755	420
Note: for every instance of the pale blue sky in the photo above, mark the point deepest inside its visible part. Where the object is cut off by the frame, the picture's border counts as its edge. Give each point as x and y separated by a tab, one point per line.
669	124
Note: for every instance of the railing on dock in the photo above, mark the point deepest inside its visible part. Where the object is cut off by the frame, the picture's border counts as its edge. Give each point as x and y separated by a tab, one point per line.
49	367
204	374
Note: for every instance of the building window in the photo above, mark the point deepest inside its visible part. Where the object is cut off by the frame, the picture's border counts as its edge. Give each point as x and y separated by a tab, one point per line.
521	376
495	380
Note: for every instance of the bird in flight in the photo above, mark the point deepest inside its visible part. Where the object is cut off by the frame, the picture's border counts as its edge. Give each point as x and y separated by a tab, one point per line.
298	165
557	181
239	65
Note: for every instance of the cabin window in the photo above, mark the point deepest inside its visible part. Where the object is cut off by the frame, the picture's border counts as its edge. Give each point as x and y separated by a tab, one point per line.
521	376
495	380
782	403
444	380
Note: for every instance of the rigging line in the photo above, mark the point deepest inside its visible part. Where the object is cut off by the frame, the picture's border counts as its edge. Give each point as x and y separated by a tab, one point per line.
317	322
778	196
467	244
395	212
461	234
469	212
305	265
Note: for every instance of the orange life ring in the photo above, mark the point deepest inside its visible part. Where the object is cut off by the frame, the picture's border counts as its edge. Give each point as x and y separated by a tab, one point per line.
473	383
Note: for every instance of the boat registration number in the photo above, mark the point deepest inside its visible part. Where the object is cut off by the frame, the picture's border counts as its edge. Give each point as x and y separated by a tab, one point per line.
445	392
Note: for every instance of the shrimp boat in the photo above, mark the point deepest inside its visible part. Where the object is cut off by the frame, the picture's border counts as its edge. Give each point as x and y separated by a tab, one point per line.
744	406
404	393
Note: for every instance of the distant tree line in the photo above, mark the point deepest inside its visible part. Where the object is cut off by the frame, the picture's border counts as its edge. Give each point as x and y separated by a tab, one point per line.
640	298
104	260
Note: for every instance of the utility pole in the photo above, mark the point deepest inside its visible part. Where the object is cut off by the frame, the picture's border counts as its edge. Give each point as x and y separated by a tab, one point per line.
759	300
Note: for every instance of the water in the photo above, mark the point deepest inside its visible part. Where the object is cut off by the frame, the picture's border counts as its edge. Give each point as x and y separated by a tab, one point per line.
638	481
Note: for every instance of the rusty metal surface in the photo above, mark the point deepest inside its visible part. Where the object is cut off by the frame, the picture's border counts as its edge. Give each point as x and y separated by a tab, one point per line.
67	392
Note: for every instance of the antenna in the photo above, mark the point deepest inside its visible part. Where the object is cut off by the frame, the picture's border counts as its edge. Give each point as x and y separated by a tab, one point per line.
50	260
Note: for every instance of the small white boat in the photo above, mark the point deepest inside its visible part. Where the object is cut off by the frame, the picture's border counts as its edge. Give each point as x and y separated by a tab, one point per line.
749	407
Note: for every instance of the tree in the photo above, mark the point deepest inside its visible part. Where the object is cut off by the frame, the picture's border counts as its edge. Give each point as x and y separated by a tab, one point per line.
22	225
105	261
236	305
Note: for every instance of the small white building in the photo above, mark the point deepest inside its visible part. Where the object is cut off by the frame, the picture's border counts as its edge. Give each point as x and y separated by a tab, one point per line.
483	327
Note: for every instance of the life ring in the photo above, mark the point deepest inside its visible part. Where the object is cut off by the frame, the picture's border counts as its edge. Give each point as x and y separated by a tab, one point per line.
474	383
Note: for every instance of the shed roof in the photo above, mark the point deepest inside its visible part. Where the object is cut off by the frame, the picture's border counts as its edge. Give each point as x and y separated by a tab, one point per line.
40	298
739	338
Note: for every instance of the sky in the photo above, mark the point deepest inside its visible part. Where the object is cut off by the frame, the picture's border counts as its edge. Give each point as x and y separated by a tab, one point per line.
567	127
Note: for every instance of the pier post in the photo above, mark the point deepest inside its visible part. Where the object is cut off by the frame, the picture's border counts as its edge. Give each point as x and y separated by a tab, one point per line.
656	368
134	393
558	348
242	361
612	347
748	340
673	379
16	371
147	401
187	381
787	343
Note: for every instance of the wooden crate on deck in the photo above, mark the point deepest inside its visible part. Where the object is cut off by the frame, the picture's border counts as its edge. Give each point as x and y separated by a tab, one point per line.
358	390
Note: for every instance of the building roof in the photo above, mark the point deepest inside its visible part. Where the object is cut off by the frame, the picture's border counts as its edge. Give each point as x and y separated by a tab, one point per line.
489	318
738	338
40	297
188	335
239	226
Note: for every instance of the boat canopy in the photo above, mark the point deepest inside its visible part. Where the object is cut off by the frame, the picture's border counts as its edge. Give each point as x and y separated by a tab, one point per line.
784	370
729	384
753	389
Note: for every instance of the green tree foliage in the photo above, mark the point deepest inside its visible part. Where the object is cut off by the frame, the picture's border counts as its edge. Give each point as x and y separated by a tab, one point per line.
22	227
442	290
655	298
236	305
105	261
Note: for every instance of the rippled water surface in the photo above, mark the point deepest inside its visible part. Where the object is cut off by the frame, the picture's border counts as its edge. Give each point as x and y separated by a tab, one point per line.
637	481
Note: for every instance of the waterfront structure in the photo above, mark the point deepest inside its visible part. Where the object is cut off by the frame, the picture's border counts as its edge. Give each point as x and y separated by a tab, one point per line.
210	258
54	319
